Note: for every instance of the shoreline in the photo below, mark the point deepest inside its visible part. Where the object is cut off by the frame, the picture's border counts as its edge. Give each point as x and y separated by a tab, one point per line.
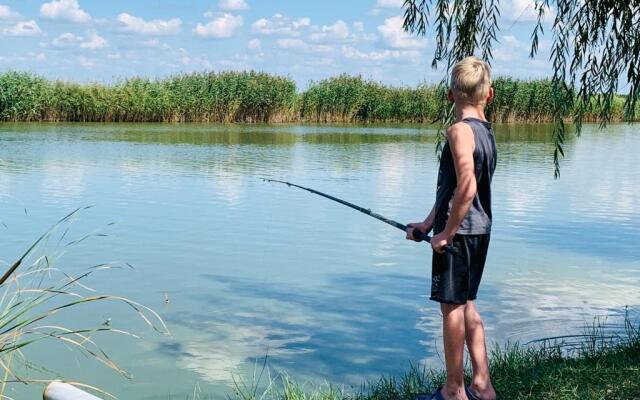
356	124
597	369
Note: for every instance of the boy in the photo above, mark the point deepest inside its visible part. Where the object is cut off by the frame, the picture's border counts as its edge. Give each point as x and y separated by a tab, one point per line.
461	216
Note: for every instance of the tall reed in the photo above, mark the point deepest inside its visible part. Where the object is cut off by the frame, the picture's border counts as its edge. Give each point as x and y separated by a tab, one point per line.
353	99
38	296
257	97
199	97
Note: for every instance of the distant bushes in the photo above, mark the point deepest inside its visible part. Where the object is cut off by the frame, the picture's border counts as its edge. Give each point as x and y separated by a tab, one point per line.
254	97
516	100
200	97
532	101
352	99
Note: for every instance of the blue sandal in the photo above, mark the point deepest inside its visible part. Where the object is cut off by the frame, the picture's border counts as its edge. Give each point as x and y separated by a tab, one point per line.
433	396
470	394
438	395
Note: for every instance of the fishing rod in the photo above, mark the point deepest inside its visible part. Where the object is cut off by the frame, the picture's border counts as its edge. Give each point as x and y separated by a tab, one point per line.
416	233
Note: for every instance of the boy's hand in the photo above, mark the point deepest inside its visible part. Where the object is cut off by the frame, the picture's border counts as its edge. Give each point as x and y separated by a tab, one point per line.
439	241
421	226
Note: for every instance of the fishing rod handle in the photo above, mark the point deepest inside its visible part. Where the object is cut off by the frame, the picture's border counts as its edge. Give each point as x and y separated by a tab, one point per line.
418	234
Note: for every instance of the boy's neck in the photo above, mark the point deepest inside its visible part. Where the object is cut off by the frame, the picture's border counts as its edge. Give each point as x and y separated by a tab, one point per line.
469	111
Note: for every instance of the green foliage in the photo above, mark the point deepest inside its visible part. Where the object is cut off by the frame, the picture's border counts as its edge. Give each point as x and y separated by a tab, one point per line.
353	99
23	96
596	44
259	97
517	100
202	97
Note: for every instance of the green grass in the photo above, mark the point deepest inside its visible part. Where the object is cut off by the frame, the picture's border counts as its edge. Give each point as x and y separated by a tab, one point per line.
257	97
600	364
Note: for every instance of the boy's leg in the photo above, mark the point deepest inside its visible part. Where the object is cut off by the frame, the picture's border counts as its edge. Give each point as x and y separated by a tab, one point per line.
474	329
453	324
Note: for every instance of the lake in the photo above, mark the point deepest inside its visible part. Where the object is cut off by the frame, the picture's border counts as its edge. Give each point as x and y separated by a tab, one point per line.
241	269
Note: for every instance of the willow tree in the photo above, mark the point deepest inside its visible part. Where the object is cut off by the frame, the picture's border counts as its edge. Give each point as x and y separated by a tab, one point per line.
596	44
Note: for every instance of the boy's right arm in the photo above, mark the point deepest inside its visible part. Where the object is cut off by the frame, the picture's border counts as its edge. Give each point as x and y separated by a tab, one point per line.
424	226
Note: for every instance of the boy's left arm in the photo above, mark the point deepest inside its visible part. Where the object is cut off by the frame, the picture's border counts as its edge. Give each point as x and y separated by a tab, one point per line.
462	144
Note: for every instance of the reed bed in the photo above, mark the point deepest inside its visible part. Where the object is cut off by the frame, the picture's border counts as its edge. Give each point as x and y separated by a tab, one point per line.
347	98
257	97
200	97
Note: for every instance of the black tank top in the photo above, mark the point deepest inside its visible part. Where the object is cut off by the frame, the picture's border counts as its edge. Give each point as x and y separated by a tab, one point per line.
478	219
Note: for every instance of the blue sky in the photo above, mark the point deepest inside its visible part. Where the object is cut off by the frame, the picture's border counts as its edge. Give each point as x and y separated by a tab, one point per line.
89	40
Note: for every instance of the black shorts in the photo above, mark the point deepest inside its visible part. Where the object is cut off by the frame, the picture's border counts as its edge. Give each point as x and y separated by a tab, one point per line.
455	278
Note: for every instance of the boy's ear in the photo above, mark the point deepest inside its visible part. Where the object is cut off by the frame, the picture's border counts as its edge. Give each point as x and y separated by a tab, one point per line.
490	95
450	96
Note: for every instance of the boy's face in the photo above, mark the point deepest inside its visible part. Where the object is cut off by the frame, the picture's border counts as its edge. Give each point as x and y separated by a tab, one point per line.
489	99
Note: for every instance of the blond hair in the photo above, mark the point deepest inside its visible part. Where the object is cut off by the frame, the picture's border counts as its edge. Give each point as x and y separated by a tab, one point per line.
471	80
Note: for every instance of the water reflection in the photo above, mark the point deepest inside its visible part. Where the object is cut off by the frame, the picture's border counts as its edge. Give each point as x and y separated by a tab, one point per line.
255	269
347	327
365	324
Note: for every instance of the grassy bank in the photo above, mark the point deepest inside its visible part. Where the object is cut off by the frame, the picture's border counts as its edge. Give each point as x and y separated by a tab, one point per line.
596	365
255	97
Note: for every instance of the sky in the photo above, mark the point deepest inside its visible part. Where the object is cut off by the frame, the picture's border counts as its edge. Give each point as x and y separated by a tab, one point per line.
103	41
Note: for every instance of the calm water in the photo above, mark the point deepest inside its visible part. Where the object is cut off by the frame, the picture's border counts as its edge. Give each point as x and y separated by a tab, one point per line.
254	269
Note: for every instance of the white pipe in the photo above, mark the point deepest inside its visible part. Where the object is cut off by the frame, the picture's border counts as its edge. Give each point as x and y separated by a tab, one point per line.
57	390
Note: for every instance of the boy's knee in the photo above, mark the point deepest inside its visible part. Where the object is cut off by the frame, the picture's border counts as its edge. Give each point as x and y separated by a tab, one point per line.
448	309
473	320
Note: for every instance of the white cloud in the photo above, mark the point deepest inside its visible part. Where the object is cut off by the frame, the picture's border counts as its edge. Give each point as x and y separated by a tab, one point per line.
221	27
7	13
525	11
395	36
338	31
355	54
389	3
511	40
93	41
86	62
511	49
281	25
512	55
184	56
23	28
66	39
233	5
64	10
192	63
254	44
358	26
154	27
500	55
150	43
297	44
